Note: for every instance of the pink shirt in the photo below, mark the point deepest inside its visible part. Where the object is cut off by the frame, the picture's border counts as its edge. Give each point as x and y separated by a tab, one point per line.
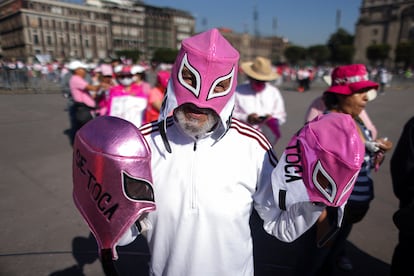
128	103
79	92
155	95
145	86
318	107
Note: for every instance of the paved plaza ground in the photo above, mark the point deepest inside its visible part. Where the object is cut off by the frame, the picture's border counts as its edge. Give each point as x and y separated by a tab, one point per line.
43	233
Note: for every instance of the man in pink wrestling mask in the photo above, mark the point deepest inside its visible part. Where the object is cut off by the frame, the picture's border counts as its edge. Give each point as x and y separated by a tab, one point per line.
210	171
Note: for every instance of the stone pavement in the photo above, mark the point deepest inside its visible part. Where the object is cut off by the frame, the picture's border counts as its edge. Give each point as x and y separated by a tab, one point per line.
43	233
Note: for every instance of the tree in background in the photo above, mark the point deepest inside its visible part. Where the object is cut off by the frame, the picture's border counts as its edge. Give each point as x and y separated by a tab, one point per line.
341	45
165	55
319	54
338	50
295	54
404	54
129	54
377	54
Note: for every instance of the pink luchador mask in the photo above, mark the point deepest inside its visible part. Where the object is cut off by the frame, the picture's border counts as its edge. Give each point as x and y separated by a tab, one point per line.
208	58
112	180
323	159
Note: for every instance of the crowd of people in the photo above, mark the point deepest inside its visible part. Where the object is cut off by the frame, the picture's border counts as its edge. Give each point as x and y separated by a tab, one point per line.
120	88
115	88
211	139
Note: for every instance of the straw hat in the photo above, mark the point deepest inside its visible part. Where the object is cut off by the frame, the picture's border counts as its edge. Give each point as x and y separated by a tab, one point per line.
259	69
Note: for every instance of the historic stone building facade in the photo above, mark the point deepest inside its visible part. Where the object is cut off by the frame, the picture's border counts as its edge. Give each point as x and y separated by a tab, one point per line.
92	31
99	28
383	22
250	46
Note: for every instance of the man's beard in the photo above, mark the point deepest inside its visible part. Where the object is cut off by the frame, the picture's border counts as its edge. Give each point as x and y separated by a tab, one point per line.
193	127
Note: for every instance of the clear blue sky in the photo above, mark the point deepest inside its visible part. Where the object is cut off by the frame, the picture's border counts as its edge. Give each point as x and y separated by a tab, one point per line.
302	22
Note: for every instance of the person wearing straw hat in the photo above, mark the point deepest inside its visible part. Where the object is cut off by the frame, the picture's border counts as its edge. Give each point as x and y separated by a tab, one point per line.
258	102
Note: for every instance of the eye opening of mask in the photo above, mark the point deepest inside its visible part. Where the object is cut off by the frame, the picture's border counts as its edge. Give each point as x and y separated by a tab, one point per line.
324	182
188	76
222	85
137	189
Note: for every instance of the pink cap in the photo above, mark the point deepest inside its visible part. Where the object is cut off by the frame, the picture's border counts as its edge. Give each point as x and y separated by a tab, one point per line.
136	69
123	70
349	79
106	70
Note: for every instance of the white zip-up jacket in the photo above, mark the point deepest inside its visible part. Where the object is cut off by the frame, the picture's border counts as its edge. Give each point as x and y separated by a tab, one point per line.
267	101
204	192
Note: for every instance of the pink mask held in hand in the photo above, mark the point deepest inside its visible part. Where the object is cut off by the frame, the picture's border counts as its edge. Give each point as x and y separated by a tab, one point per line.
112	179
323	159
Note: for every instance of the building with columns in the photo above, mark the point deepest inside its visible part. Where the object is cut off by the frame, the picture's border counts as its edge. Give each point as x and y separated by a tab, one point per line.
93	30
251	46
99	28
383	22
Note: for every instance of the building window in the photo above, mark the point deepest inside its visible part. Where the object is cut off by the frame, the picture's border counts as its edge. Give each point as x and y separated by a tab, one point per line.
29	35
35	39
411	34
49	40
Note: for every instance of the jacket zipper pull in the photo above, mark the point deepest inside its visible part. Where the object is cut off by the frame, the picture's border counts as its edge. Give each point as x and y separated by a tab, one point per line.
195	143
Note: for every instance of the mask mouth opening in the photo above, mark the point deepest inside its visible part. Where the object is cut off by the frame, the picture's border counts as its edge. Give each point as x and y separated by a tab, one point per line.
192	108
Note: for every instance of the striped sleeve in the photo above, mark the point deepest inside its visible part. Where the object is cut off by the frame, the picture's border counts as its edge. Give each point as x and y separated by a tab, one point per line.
247	130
